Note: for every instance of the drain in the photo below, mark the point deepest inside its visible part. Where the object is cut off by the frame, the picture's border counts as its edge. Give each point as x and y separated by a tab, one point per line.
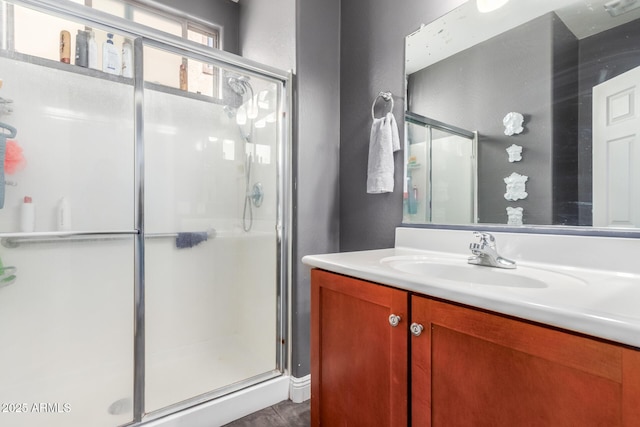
120	406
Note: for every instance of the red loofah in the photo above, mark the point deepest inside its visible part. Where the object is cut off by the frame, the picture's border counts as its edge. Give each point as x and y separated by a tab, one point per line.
13	158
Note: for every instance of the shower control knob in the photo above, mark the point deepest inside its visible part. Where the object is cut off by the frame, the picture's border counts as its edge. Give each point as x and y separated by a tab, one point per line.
416	329
394	320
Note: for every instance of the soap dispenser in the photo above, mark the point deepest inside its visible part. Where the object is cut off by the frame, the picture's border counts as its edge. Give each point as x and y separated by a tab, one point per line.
110	57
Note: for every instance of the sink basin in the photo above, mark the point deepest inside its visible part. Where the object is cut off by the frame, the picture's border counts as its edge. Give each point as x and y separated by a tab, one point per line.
458	270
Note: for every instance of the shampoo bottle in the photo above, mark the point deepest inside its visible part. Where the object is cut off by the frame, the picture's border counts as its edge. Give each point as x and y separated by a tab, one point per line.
27	215
127	59
82	48
65	47
64	215
183	77
110	57
92	50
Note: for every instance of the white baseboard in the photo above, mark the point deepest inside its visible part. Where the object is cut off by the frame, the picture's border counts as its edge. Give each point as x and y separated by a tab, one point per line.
229	408
300	389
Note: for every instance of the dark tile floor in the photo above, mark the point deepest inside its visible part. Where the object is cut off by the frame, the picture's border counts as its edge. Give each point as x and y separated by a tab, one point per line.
283	414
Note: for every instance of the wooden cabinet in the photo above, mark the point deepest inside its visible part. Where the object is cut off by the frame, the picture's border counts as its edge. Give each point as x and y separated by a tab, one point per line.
467	367
358	360
475	368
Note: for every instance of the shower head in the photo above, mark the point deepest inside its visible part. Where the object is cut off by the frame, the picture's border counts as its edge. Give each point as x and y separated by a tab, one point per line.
240	85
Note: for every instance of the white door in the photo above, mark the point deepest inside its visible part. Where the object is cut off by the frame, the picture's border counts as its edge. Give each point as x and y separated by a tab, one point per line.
616	151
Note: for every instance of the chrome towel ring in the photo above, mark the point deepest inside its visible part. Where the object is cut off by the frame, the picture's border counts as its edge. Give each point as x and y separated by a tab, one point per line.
387	96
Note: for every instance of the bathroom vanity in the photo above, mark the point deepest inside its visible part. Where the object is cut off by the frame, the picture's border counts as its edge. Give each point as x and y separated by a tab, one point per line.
409	336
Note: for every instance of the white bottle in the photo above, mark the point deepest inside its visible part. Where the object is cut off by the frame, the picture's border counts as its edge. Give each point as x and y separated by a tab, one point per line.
127	59
92	50
64	215
110	57
27	215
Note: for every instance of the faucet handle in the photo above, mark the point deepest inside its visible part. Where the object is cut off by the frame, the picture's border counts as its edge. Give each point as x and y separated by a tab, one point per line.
486	238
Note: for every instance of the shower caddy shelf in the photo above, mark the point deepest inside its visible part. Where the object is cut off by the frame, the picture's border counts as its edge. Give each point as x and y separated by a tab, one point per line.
14	240
96	74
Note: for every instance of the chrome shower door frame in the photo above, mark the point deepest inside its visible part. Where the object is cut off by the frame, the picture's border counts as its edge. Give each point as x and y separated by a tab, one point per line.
147	36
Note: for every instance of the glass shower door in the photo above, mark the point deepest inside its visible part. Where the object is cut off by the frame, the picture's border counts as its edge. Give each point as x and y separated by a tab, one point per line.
66	223
440	172
452	178
211	243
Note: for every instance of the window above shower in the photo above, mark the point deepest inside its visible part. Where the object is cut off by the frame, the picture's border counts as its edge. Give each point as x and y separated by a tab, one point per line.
35	34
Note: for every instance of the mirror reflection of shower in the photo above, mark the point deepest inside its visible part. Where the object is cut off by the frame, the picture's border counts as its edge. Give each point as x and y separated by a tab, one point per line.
245	116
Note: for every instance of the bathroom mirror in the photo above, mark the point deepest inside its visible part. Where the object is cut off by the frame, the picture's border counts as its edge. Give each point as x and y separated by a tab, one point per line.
548	87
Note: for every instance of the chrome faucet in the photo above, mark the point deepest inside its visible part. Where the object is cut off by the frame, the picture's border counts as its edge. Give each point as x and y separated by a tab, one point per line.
485	252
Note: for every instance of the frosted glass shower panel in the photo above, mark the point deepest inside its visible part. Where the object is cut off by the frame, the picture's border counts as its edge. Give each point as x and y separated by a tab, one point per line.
75	132
66	264
210	178
440	176
66	324
452	178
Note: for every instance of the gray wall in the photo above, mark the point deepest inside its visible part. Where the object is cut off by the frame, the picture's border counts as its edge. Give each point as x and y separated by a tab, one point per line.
221	12
268	32
564	185
371	60
316	157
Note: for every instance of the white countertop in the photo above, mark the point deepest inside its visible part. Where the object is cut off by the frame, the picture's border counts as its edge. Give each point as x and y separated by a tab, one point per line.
599	301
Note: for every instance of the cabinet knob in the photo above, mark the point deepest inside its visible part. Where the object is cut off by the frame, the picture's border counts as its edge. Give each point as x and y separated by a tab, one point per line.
394	320
416	329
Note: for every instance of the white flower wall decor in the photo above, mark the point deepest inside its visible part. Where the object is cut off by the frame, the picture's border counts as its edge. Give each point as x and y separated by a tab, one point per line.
513	123
515	153
516	187
514	216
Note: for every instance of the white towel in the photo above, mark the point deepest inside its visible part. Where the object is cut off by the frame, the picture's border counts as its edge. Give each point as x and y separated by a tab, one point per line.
383	142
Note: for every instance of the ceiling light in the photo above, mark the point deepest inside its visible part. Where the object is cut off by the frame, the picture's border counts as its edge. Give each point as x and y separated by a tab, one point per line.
485	6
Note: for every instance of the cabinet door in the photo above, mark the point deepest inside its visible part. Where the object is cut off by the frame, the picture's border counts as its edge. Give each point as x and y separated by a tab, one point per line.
358	360
474	368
